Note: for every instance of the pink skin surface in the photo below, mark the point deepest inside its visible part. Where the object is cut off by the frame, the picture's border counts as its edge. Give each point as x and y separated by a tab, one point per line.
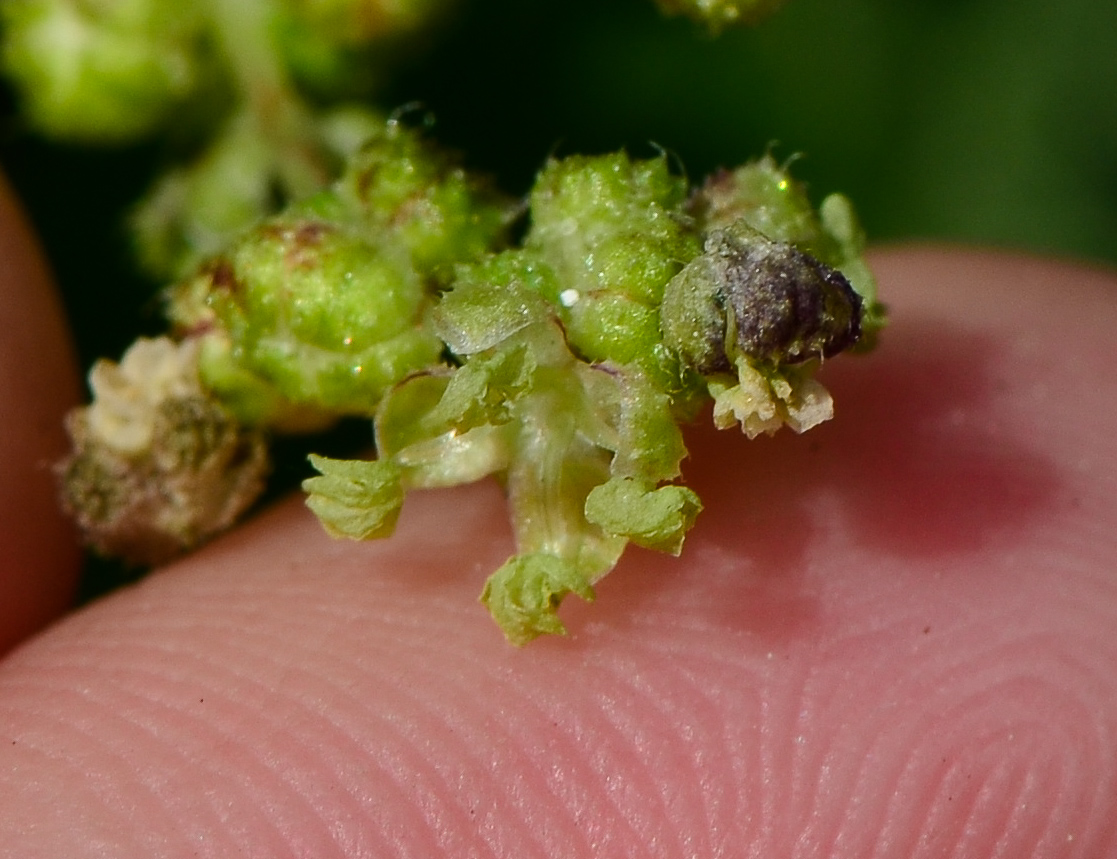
895	636
38	384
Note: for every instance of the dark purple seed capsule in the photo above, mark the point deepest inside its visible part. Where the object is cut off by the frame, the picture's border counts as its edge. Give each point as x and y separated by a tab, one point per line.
788	306
746	294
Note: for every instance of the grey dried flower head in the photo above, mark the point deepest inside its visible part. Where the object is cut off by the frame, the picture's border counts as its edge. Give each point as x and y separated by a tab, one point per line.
746	295
157	465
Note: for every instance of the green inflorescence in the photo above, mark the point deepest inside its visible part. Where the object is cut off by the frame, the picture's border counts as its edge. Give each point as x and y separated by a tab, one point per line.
565	363
329	262
576	356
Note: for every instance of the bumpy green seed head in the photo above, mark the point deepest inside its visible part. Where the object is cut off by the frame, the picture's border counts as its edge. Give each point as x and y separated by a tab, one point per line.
613	232
402	185
315	311
319	311
102	72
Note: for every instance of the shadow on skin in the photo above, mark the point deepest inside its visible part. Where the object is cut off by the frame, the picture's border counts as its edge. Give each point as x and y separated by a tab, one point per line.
892	636
916	465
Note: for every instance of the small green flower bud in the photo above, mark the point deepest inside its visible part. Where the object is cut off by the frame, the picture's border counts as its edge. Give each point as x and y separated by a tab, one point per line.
157	466
315	309
747	295
194	211
409	190
102	72
612	231
245	175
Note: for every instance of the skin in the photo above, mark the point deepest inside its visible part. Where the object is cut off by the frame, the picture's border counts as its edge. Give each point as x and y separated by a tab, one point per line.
38	383
893	636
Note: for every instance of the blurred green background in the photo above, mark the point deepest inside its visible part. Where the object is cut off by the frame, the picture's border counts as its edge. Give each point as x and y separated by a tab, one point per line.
985	121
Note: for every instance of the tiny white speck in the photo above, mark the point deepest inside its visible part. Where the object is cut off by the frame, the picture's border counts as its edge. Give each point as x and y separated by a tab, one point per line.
569	297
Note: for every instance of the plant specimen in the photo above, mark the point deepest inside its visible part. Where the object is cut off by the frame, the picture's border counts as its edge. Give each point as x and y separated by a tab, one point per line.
557	341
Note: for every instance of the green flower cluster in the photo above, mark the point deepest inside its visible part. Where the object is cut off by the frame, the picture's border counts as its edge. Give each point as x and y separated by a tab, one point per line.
565	364
316	312
575	357
312	315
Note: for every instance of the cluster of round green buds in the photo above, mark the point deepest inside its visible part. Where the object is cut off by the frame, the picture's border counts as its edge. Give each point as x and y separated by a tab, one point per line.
317	312
243	74
577	355
719	14
399	185
305	316
157	465
565	365
612	231
105	71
